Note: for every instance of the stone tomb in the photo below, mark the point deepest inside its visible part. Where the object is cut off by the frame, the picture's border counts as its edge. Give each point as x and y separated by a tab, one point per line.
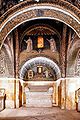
39	96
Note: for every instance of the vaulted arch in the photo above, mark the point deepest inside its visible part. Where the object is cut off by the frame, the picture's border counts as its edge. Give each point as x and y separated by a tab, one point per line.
24	12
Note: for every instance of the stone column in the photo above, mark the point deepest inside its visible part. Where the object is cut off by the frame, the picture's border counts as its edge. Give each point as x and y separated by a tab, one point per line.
54	93
59	94
17	84
16	52
63	51
63	95
56	100
63	60
69	39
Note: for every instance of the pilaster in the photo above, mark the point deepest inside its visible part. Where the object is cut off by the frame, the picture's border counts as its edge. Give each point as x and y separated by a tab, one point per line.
63	51
17	84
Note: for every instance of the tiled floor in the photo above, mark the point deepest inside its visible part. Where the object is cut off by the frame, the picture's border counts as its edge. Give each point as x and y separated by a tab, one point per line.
24	113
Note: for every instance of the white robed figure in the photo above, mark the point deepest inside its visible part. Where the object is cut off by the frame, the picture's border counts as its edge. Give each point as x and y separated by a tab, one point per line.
29	44
52	44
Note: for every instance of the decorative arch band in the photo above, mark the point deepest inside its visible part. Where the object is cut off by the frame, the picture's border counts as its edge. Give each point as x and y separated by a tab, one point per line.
40	60
38	11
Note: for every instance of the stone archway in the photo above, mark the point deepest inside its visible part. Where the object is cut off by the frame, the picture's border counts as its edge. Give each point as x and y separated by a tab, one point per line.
24	12
39	93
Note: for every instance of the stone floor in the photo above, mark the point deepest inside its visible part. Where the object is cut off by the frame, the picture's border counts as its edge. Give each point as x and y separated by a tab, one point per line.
24	113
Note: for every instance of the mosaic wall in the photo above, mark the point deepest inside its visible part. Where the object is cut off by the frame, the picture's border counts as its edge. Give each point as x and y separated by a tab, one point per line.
73	60
34	13
7	59
64	95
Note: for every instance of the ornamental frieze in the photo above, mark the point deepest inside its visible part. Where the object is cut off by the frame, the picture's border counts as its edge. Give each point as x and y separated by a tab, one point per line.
67	3
47	13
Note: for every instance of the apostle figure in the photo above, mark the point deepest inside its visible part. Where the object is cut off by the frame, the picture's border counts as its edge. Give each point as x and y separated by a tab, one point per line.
46	73
29	44
52	44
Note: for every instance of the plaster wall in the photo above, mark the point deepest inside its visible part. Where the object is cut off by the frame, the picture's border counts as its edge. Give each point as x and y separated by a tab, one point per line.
8	85
72	84
68	86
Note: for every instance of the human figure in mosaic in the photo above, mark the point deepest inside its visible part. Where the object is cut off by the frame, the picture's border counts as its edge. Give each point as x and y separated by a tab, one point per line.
29	44
46	73
52	44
